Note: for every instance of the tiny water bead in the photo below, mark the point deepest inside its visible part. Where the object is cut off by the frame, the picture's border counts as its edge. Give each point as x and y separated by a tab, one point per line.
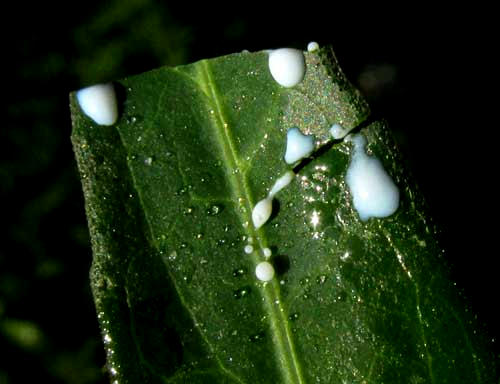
107	338
287	66
242	292
321	279
239	272
248	249
214	210
374	193
256	337
298	145
267	252
264	271
99	103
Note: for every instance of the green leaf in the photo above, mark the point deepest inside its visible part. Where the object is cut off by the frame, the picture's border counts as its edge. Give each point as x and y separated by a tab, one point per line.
169	193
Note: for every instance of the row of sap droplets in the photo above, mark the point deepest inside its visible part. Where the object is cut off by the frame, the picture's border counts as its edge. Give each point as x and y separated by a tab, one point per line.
374	193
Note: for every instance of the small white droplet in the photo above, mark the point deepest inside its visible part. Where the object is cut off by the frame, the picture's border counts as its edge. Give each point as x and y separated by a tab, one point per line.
374	194
262	211
264	271
287	66
298	145
312	46
99	103
248	249
338	132
281	183
267	252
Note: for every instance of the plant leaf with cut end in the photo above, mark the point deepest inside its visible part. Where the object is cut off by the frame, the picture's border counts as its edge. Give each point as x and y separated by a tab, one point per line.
169	193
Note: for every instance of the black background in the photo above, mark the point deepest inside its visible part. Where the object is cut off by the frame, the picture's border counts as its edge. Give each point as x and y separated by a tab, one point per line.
425	69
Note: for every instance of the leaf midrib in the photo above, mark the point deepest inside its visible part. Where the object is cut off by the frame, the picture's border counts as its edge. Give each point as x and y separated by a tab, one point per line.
284	347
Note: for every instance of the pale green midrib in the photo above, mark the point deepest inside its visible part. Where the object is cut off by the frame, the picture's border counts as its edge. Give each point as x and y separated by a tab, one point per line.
285	350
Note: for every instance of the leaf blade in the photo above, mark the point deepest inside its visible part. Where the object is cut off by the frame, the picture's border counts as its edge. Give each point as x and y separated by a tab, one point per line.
195	158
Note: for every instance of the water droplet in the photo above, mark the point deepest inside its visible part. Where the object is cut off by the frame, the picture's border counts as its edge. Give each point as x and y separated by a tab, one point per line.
304	281
181	191
342	296
214	210
239	272
172	256
248	249
188	211
148	161
293	316
256	337
199	236
107	338
321	279
132	119
183	245
242	292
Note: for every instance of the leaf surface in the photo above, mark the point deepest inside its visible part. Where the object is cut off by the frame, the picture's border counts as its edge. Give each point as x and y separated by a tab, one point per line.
169	193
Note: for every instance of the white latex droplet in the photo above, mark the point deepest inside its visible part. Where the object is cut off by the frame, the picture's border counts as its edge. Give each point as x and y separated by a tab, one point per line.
298	145
267	252
264	271
99	103
281	183
287	66
374	194
338	132
262	211
312	46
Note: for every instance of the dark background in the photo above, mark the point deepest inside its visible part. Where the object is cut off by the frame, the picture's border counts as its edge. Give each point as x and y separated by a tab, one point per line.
422	68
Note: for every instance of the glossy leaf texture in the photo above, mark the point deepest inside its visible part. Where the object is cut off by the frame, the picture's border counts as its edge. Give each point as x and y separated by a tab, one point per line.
169	193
